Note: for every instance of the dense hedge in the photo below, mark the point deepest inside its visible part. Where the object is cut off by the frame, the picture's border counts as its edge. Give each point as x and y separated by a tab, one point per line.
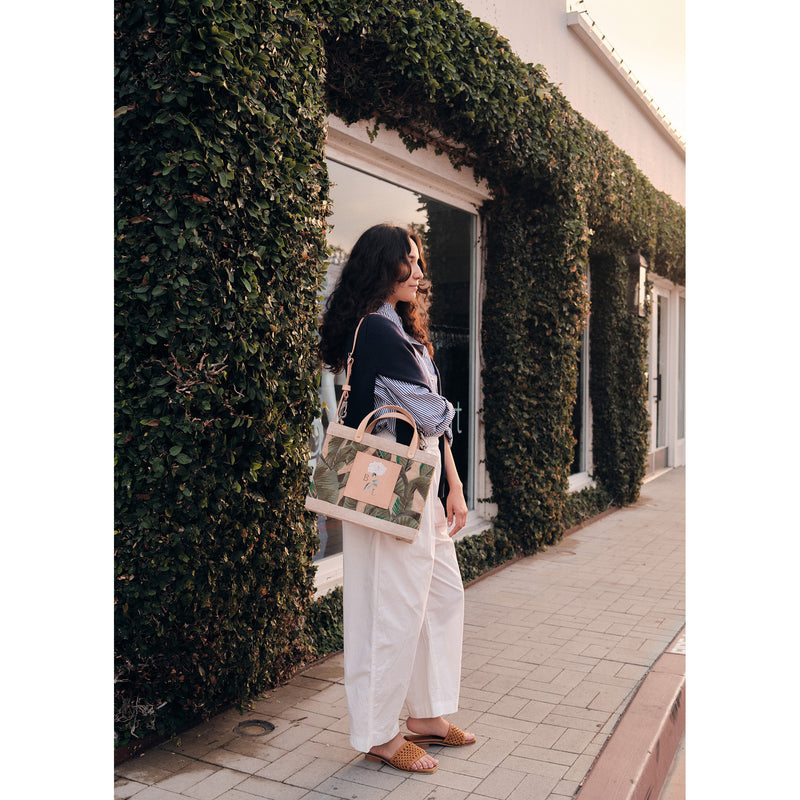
221	195
533	314
220	205
617	382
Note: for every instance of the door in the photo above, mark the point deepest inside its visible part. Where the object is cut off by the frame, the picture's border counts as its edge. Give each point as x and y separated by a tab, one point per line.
658	380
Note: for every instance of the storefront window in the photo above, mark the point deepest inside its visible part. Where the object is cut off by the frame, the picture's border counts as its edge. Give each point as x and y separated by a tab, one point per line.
579	414
448	235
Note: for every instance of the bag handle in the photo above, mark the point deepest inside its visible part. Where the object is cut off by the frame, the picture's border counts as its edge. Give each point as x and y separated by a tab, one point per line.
367	425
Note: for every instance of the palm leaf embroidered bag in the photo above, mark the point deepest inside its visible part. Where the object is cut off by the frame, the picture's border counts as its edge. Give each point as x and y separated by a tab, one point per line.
371	480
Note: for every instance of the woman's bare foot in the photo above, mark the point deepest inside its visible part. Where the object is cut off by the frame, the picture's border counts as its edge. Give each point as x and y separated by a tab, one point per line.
388	750
434	726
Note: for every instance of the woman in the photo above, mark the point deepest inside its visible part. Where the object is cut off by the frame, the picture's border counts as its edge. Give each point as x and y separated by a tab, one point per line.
403	603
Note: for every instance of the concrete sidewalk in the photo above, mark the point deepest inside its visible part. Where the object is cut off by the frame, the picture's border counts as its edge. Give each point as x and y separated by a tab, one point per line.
561	650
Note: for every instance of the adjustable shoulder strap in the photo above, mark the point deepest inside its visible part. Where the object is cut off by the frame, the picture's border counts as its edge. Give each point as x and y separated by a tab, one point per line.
341	409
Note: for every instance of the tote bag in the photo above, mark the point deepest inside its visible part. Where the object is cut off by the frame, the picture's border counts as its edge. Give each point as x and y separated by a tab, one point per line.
370	480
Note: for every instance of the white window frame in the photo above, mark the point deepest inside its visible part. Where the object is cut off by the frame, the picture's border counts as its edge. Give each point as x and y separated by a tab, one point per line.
427	173
676	448
584	479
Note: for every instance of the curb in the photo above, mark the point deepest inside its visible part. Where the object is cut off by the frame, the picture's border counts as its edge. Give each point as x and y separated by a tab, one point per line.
637	758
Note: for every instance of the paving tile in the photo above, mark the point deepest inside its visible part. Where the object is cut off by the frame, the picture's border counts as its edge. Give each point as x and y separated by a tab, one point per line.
490	751
450	780
255	747
596	650
548	754
305	681
565	789
573	741
314	773
278	700
447	793
578	771
164	759
154	793
571	720
467	703
343	755
313	796
477	694
331	670
509	724
534	711
544	735
611	699
411	790
502	684
296	715
233	760
317	708
531	766
582	695
198	741
332	737
507	706
124	788
478	680
534	787
453	760
339	787
285	766
140	772
499	783
294	735
213	786
530	692
186	778
273	790
370	774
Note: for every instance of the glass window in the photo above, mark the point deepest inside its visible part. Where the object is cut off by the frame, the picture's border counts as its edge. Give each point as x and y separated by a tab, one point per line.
579	413
448	235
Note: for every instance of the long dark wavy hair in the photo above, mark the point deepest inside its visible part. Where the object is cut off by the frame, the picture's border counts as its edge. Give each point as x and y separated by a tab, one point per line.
378	260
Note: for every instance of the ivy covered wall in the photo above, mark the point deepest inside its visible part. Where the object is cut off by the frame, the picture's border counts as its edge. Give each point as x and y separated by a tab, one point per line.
221	199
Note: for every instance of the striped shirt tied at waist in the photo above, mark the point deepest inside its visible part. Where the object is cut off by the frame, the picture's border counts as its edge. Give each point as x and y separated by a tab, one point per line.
432	412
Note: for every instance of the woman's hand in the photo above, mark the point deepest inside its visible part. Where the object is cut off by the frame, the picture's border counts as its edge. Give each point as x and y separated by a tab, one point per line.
456	510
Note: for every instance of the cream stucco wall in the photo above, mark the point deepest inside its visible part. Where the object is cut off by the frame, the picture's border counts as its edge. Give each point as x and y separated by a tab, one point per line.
538	33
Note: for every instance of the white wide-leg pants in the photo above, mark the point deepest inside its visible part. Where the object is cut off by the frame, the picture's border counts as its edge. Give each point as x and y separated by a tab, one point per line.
403	625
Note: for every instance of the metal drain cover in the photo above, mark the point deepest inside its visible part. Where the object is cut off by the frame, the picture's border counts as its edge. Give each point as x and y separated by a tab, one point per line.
254	727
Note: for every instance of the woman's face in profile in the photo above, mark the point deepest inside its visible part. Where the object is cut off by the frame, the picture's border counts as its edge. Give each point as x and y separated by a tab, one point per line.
405	291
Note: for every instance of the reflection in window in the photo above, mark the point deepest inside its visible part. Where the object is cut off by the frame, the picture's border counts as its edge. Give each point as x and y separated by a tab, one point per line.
448	236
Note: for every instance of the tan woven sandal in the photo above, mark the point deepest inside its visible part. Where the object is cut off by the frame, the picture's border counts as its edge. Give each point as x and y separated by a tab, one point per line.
403	759
455	738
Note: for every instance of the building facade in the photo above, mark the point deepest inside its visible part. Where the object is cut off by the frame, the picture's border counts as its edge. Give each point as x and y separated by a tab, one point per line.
375	179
